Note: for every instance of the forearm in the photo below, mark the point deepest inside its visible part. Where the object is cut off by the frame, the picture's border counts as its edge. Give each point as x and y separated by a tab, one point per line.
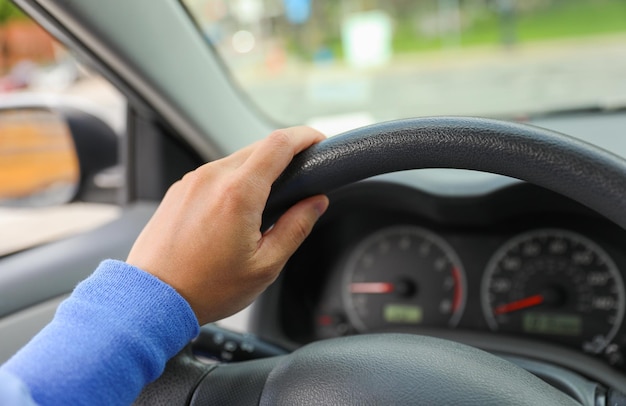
107	341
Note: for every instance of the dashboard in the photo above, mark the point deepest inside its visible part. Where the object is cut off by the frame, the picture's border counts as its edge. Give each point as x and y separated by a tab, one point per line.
512	262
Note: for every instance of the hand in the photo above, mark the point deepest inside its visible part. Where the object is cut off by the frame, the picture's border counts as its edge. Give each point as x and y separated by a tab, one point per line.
205	240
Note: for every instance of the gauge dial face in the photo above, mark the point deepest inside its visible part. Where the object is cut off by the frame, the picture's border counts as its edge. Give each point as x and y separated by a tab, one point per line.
555	284
403	276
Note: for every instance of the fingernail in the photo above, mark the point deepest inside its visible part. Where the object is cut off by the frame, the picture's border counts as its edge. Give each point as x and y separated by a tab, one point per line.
320	206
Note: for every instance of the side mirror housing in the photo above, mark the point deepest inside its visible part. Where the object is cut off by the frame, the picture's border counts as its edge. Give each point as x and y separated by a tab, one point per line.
52	156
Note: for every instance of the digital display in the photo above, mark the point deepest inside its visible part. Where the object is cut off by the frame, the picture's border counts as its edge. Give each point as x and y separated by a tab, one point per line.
399	313
545	323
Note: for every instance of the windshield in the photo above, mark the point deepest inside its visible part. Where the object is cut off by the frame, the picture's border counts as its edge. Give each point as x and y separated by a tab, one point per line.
327	63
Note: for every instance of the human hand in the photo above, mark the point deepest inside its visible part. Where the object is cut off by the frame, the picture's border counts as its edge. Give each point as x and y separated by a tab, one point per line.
205	240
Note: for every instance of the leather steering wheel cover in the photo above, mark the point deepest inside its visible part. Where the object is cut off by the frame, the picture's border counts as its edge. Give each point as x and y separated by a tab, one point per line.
581	171
402	369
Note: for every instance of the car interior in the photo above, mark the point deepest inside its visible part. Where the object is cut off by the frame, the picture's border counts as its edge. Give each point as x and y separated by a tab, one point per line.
469	257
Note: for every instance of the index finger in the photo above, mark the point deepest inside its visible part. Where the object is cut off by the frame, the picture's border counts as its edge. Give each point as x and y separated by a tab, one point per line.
275	152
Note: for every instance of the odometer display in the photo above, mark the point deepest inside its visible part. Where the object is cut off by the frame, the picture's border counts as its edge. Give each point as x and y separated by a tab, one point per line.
546	323
399	313
555	284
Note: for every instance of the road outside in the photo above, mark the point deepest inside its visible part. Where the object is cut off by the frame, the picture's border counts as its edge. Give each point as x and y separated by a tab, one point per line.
530	79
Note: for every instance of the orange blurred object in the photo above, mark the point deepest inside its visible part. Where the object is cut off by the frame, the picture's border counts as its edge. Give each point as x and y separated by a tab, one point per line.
36	153
24	40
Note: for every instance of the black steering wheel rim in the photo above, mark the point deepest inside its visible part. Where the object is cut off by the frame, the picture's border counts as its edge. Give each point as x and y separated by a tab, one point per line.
571	167
580	171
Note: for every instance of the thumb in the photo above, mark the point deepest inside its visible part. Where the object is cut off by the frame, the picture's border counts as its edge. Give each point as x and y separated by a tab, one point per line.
284	238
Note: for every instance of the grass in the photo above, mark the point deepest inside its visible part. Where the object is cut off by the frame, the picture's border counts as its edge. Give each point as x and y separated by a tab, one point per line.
574	19
563	19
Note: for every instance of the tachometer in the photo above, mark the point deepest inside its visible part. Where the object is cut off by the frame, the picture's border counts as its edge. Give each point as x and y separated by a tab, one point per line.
555	284
403	276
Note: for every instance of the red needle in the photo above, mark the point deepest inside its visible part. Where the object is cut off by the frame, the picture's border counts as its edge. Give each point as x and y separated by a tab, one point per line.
519	304
371	287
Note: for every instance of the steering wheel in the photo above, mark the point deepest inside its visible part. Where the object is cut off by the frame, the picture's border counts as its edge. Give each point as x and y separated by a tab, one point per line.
402	368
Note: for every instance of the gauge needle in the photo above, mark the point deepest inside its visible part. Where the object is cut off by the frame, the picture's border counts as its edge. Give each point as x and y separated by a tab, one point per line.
529	301
371	287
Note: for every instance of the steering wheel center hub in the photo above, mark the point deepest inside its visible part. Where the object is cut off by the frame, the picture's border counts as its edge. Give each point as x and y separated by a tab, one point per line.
401	369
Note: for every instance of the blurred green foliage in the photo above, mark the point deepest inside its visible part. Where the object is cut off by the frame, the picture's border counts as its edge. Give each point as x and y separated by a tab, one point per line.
9	11
435	24
531	21
574	18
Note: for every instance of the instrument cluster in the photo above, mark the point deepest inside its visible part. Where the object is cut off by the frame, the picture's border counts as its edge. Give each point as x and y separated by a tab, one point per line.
538	273
551	283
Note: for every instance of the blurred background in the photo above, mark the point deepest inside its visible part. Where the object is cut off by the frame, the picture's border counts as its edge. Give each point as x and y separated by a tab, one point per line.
36	70
337	65
334	64
374	58
33	61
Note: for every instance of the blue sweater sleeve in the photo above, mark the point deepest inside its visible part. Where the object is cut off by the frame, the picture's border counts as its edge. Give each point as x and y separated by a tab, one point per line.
13	391
109	339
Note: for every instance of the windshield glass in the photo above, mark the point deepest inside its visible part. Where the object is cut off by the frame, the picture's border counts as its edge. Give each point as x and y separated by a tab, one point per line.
334	64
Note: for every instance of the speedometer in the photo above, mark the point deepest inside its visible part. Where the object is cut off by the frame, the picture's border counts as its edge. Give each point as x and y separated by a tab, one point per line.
555	284
403	276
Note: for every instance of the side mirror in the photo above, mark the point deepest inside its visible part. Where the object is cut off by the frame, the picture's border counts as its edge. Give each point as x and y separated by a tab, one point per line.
54	156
